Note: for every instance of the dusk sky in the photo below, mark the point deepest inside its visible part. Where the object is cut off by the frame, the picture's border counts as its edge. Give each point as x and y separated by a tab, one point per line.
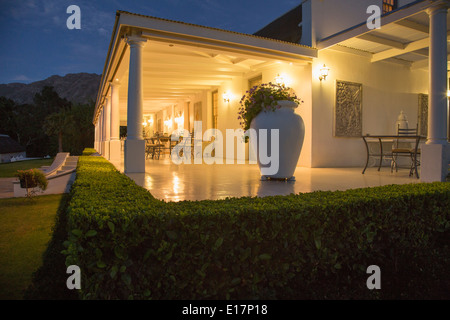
36	42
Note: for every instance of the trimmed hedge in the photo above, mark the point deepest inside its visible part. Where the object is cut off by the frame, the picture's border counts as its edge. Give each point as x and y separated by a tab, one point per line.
318	245
89	151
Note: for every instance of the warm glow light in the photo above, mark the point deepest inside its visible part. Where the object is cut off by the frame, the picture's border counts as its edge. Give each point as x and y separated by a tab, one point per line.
179	120
279	80
226	96
283	80
324	73
448	93
144	123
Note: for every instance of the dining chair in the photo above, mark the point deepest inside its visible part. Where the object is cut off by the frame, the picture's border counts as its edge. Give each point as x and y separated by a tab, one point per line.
405	148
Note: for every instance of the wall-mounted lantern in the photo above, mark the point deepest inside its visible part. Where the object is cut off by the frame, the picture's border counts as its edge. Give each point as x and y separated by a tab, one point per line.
226	97
324	73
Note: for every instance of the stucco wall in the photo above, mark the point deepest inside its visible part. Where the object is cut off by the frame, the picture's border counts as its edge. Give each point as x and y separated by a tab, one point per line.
388	89
298	77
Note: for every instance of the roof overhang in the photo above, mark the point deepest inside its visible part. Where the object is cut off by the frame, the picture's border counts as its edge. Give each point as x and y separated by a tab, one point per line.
403	37
177	50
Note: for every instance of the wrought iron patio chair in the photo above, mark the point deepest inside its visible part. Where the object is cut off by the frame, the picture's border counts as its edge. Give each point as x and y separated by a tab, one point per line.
404	148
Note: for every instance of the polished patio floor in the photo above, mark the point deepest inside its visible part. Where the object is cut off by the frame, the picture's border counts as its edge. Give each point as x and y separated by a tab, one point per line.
171	182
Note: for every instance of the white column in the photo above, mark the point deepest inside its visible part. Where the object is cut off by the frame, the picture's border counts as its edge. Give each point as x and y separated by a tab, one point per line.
100	131
134	159
96	136
434	161
104	131
114	144
107	109
172	119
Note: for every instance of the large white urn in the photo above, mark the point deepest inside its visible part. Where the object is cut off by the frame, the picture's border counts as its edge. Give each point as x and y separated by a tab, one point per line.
291	130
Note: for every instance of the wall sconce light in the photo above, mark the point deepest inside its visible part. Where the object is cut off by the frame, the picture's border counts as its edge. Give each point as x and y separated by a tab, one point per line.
150	121
168	122
180	119
144	123
448	93
226	97
324	73
279	80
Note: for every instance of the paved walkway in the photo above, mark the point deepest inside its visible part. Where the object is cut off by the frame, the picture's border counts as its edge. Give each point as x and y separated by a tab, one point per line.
6	187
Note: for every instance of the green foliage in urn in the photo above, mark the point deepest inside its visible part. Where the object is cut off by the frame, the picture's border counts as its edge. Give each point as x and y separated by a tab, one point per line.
263	97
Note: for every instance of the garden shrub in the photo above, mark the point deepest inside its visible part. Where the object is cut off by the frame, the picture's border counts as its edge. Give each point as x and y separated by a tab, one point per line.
318	245
30	179
89	151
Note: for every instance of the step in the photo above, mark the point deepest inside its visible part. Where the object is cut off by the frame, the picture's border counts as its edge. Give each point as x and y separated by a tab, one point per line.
66	168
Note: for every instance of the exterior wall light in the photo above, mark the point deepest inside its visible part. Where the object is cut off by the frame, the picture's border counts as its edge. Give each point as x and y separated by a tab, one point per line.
168	122
179	120
226	97
324	73
279	80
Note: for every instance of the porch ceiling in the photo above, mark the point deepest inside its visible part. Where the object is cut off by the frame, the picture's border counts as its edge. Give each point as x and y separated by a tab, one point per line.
176	72
180	60
404	41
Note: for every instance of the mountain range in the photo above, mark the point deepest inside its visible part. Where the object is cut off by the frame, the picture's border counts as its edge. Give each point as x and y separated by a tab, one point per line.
75	87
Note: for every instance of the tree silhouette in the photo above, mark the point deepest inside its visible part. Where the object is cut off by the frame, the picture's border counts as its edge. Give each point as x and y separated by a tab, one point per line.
56	123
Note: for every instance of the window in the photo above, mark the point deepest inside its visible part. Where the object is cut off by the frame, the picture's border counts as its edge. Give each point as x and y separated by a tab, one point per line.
215	102
254	81
389	5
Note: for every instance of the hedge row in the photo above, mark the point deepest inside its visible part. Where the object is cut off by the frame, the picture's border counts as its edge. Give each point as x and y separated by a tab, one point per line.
89	151
130	245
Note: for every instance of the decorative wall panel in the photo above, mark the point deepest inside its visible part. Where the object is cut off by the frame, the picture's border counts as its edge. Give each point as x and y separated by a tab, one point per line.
348	109
422	119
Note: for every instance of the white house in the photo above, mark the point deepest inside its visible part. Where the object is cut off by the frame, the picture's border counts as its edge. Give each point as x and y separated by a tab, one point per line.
161	75
10	149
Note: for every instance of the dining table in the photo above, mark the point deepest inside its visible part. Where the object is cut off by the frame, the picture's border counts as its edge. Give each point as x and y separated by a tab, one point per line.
383	153
157	144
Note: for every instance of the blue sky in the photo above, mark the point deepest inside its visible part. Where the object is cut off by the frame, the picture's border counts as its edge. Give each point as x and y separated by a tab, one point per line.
36	42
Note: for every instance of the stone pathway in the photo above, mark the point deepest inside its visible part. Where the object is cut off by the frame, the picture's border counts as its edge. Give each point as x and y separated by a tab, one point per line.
6	187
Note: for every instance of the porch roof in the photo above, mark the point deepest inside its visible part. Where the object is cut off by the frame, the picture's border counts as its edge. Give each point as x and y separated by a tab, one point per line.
182	59
403	37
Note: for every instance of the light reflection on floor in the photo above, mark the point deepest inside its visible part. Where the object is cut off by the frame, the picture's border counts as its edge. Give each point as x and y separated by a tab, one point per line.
170	182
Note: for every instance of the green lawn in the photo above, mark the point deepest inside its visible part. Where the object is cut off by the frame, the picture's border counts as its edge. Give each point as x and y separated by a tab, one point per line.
10	169
25	230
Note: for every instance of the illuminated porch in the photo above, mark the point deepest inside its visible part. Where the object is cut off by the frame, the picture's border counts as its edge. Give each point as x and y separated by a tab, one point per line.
171	182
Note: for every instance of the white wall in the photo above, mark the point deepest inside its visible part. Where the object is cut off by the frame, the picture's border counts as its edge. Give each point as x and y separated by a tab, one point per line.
387	89
298	77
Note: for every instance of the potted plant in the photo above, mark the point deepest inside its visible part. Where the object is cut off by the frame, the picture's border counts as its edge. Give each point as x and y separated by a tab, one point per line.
271	106
30	179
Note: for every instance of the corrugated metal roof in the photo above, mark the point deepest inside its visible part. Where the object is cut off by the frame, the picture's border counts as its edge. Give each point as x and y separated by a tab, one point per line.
217	29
